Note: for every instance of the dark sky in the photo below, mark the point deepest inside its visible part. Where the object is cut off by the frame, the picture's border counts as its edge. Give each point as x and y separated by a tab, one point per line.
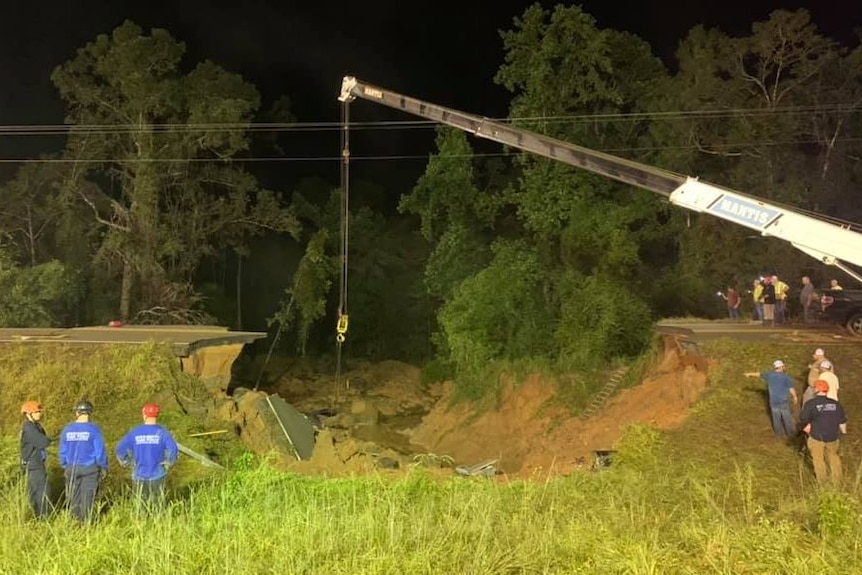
443	51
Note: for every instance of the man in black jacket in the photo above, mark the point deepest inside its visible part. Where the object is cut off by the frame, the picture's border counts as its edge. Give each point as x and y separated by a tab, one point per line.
823	419
34	441
768	302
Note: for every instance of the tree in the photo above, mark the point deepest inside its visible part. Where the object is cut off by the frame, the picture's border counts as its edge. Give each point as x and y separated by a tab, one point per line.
43	295
31	210
579	83
453	213
764	113
160	142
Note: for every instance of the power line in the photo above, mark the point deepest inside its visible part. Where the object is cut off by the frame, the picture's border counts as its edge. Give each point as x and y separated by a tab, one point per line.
675	115
396	157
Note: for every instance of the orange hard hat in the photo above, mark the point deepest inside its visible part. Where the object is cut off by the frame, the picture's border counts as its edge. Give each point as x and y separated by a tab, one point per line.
821	385
31	407
150	410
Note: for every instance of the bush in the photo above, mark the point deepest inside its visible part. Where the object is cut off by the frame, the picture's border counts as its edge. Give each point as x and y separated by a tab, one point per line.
38	296
497	313
600	320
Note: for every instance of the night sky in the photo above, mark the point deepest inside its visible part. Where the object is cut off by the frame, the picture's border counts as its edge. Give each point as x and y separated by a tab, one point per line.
441	51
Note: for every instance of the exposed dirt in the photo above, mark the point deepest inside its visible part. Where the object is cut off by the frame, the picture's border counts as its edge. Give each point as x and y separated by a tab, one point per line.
381	416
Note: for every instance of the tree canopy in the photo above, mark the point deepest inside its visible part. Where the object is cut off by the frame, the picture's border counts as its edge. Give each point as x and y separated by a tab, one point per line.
159	142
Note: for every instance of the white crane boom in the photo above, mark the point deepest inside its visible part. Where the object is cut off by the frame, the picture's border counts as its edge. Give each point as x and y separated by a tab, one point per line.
825	239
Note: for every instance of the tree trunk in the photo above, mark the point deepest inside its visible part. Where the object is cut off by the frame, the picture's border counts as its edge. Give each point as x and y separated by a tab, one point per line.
238	290
126	290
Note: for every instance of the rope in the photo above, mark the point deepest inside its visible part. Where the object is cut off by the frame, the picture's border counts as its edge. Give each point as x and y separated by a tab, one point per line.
341	325
271	347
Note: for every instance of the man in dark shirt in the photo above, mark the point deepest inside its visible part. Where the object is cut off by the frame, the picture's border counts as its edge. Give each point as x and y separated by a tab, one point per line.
824	421
34	442
768	302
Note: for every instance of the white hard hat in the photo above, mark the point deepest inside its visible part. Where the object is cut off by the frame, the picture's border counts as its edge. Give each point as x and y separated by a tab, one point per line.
778	363
819	351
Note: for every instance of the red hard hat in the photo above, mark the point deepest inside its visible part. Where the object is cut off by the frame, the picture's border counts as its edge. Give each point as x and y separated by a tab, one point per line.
150	410
821	385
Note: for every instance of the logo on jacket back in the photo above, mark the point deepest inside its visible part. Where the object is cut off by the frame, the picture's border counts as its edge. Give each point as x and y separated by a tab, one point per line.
77	436
147	439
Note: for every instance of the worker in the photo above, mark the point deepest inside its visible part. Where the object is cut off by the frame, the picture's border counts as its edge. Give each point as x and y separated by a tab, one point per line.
834	285
827	374
732	300
757	299
768	297
813	374
808	299
824	421
34	442
781	393
153	451
782	290
84	461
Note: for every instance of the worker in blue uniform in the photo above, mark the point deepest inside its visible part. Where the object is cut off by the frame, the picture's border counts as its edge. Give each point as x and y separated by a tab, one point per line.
84	461
152	450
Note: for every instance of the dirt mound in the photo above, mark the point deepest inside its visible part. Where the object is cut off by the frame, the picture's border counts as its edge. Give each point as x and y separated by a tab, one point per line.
530	435
382	416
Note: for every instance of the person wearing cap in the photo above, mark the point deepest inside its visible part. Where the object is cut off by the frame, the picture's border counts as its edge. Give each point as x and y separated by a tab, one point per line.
152	450
84	461
824	420
34	442
813	373
828	375
781	393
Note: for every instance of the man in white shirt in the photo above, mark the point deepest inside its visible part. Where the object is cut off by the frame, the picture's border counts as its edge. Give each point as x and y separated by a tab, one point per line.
827	375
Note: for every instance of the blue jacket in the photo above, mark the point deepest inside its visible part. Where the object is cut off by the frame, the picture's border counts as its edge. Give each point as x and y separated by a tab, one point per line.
149	446
82	444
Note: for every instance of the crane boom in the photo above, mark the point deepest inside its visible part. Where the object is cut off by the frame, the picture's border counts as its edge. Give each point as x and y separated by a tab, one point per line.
826	240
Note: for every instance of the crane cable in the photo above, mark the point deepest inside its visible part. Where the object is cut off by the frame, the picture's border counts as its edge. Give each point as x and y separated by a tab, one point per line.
341	325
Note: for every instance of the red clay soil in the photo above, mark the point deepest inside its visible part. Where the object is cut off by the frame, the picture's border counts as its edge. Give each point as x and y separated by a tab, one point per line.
531	437
527	430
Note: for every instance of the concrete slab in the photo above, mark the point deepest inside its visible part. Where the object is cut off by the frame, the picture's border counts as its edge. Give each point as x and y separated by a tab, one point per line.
184	339
700	331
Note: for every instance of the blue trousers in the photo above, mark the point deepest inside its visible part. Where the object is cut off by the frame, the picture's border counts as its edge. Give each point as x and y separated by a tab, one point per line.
782	420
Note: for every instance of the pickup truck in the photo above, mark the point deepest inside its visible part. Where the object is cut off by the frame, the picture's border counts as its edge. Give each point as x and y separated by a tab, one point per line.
843	307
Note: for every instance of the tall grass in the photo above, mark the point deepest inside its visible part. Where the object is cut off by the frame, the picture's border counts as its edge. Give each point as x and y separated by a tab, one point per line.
645	514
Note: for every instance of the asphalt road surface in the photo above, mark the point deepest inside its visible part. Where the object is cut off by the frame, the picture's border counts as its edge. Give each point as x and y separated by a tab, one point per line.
184	339
700	331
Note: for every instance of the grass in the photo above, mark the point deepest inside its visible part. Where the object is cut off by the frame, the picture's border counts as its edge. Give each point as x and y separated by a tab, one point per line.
642	516
717	495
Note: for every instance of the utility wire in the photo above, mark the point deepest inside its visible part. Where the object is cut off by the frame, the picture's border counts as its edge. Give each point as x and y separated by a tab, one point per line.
61	129
398	157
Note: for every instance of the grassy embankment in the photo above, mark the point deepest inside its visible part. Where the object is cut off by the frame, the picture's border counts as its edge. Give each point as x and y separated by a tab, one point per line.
718	495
